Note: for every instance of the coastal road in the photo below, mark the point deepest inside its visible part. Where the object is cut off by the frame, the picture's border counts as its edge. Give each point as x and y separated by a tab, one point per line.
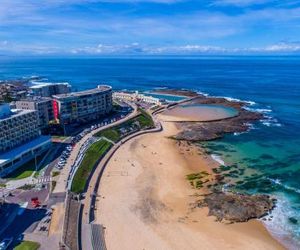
64	174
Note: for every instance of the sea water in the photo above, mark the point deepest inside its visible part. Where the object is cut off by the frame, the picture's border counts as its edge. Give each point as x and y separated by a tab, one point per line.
266	158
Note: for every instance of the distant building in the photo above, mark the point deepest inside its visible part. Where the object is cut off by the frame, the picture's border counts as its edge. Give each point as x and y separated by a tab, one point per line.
20	138
43	106
10	92
50	89
83	106
136	97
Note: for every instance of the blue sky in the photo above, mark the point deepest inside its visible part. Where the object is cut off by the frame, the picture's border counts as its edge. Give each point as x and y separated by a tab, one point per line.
103	27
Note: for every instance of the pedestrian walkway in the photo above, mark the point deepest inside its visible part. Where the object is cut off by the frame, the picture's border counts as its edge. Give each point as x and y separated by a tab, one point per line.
43	180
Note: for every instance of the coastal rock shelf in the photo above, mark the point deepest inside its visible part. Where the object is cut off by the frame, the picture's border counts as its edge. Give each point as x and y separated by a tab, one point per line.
229	206
234	207
211	130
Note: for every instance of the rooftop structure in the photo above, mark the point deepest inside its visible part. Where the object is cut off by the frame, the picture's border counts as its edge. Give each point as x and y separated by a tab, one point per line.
99	89
49	89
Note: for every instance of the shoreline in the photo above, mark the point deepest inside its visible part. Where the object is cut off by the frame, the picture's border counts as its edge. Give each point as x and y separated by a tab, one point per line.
131	198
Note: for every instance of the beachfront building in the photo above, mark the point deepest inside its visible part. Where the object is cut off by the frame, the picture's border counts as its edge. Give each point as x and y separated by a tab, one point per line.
136	97
43	106
20	138
50	89
83	106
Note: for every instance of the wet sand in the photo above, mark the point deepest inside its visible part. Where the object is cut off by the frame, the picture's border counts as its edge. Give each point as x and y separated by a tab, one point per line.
146	201
198	113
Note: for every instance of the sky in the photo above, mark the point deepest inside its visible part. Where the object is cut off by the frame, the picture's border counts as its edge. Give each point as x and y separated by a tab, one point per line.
149	27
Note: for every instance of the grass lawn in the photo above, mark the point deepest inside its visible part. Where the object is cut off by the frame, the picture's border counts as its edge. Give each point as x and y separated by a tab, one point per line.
110	133
59	137
144	119
26	169
27	245
92	155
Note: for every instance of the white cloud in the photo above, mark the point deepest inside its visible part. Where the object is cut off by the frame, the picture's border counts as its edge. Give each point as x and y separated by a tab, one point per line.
242	3
282	47
189	49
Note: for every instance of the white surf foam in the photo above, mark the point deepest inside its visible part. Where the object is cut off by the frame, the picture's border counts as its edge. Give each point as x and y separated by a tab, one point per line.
202	93
231	99
278	182
218	159
270	121
259	110
279	226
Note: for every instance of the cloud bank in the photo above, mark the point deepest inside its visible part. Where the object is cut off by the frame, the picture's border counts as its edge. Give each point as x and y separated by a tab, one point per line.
99	27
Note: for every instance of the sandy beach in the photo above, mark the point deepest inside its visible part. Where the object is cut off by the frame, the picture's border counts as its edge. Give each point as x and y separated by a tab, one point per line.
146	201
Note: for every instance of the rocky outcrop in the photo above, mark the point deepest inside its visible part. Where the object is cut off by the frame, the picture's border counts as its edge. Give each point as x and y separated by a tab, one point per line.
204	131
235	207
179	92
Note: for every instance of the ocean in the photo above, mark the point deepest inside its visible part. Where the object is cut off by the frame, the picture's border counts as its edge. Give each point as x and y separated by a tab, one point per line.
265	159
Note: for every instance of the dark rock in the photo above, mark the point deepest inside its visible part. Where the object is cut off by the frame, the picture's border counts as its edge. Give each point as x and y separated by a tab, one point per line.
206	131
293	220
235	207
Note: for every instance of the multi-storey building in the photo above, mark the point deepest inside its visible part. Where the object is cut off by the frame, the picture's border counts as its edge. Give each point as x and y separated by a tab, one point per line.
83	106
17	127
43	106
20	138
50	89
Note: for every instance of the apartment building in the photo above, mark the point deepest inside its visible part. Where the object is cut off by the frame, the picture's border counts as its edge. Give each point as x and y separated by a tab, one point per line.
43	106
83	106
20	138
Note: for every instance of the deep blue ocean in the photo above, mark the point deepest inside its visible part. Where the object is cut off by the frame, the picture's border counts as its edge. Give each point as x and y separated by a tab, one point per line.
266	159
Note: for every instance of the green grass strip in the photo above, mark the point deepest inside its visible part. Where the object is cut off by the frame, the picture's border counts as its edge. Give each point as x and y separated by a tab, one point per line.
144	120
27	245
92	155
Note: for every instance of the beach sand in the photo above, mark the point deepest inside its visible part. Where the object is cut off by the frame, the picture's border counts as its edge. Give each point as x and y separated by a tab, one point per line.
145	201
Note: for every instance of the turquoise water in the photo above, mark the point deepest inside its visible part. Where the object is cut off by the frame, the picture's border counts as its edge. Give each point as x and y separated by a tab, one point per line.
267	158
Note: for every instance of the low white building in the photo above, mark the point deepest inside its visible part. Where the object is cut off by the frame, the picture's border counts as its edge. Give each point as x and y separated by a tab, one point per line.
136	97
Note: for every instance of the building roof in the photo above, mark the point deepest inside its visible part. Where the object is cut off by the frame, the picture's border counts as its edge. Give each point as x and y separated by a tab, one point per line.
46	84
14	113
12	154
99	89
